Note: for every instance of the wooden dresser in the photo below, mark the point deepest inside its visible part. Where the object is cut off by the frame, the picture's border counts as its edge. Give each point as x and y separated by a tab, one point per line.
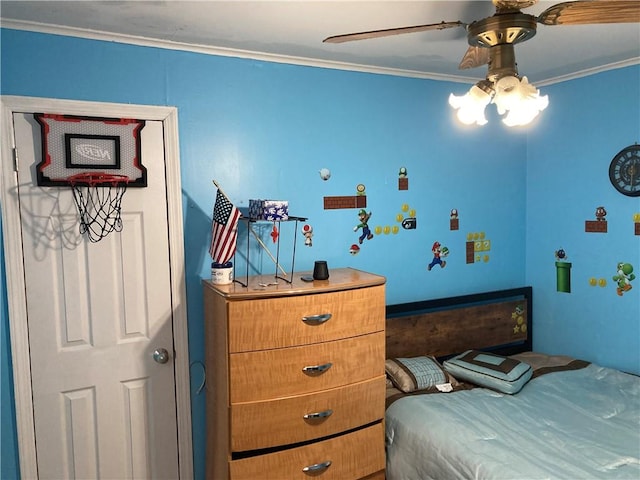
295	378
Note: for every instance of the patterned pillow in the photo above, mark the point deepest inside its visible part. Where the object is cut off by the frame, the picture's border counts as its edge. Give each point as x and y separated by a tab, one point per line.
504	374
416	373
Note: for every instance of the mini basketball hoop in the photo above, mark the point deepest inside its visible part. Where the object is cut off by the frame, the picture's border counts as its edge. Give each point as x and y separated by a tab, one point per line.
98	196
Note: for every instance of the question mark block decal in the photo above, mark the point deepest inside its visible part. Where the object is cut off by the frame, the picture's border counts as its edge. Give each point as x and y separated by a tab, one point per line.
475	245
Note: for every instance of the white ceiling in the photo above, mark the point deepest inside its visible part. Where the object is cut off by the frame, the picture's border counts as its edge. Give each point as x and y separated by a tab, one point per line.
292	31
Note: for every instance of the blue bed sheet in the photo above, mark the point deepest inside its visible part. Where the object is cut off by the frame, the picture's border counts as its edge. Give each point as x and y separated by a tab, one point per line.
578	424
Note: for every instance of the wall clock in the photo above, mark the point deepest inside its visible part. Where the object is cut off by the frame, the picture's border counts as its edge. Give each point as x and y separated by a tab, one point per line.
624	171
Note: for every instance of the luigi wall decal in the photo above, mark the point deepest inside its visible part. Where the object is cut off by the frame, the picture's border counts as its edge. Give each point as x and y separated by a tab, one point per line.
624	277
364	225
439	252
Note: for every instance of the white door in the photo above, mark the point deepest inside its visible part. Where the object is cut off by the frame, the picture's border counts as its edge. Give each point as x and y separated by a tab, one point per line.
102	406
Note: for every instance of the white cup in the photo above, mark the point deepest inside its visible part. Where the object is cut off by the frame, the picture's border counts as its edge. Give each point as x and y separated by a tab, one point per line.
222	276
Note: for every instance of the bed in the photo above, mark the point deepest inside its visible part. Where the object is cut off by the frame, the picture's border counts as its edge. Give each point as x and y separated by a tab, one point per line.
467	398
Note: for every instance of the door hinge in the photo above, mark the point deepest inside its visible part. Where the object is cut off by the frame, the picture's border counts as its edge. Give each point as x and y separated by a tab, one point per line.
15	159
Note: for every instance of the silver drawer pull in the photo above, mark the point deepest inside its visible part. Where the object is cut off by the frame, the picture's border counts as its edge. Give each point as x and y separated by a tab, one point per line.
316	319
317	468
316	369
318	415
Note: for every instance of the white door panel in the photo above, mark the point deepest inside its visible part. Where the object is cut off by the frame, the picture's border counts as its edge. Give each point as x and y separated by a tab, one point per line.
103	408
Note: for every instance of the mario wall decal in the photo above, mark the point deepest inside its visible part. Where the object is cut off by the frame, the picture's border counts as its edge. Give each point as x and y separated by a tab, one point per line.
439	252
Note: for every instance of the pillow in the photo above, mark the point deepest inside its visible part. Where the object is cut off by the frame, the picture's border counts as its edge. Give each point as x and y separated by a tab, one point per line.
504	374
542	360
542	363
416	373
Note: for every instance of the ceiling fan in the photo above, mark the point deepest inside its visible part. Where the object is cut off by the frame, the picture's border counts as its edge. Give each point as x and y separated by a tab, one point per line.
491	42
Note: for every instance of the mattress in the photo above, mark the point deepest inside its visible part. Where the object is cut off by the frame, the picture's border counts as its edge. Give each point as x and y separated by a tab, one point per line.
576	424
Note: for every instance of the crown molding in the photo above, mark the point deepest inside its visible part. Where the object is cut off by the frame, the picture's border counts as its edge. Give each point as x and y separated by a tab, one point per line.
269	57
221	51
589	71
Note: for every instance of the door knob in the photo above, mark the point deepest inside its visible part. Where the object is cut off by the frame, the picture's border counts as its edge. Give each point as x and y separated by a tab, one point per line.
161	355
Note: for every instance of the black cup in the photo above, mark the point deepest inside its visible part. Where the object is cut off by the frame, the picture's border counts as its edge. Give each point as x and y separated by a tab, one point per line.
320	270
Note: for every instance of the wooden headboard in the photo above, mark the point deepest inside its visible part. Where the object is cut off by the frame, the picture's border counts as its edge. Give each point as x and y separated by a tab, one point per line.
499	321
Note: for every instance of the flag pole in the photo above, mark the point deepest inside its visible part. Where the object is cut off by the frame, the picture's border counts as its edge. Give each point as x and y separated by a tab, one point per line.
218	187
260	242
267	250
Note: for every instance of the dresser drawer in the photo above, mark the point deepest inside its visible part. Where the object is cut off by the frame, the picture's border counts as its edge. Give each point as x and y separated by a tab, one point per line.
284	421
278	322
352	456
277	373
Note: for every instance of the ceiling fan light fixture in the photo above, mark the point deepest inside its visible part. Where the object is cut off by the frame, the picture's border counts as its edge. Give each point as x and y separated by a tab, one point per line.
519	100
515	98
527	110
470	106
508	93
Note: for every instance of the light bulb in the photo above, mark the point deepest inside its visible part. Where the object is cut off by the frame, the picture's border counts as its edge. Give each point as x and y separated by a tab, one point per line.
507	94
526	111
471	106
519	100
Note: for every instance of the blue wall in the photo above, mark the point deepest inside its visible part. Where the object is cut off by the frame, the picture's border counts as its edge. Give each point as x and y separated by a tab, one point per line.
264	130
588	122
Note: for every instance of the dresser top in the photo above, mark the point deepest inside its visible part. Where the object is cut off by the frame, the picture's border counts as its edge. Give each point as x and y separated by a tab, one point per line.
264	286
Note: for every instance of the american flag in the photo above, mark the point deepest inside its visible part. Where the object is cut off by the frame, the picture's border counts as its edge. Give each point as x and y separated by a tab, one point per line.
224	229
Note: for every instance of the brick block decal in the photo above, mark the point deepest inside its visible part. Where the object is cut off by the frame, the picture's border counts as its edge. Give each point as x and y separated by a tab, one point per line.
471	255
349	201
595	226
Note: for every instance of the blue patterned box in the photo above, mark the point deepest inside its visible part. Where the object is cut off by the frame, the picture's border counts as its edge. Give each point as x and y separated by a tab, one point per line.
271	210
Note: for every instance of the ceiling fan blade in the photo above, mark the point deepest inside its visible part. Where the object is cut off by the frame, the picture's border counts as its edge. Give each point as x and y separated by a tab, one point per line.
349	37
591	11
474	57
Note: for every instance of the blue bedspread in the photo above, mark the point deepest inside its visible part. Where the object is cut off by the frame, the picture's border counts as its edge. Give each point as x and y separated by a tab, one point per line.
580	424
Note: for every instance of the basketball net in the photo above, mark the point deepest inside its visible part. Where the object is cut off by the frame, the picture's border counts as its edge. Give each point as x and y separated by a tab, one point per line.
98	197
